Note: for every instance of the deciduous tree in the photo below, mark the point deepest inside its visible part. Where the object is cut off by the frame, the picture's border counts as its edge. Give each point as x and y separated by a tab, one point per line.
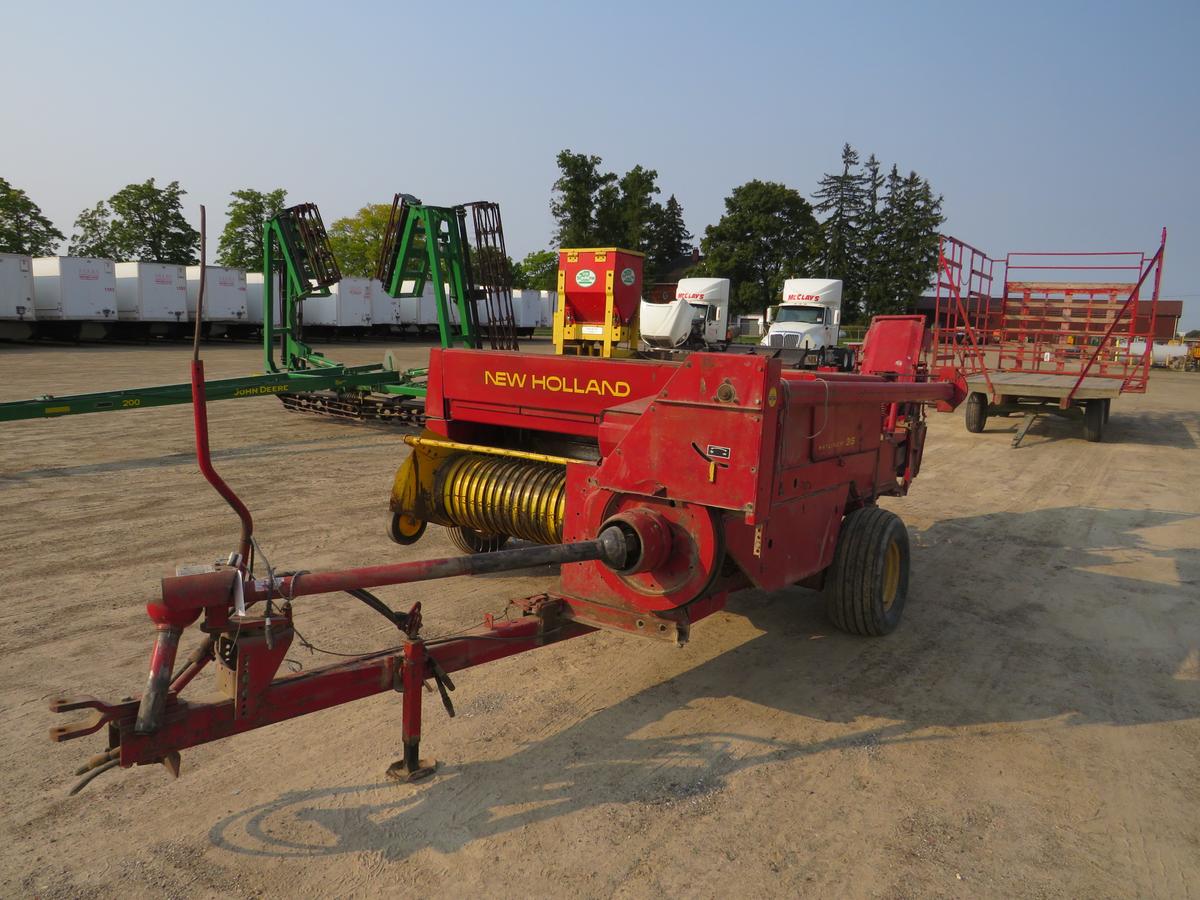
23	228
357	240
537	271
574	202
241	242
140	222
767	232
593	208
639	209
92	233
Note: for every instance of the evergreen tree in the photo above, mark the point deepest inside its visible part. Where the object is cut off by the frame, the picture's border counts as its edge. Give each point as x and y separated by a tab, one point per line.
911	218
23	228
670	238
841	199
873	268
241	242
879	235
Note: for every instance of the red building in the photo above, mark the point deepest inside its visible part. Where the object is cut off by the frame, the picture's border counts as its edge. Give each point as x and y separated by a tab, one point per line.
1166	318
663	291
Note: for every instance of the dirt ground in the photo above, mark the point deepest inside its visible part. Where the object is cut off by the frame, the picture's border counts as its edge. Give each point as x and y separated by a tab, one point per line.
1032	729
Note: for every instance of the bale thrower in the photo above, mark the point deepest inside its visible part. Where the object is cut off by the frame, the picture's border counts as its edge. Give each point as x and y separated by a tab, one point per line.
660	487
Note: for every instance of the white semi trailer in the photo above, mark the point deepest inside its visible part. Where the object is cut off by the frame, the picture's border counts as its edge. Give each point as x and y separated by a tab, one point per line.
16	296
152	294
224	297
75	297
74	288
348	306
254	297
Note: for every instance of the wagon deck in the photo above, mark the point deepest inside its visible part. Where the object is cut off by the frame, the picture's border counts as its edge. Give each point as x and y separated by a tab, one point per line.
1034	384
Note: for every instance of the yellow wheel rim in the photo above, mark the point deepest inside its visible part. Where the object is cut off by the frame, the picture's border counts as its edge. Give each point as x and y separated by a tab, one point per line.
408	526
891	575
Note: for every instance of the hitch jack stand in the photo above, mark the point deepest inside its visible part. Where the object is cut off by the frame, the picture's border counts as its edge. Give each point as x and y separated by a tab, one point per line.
412	767
1023	429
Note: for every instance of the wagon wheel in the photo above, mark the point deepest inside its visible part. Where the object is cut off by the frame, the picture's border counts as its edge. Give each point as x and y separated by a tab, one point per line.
1093	420
867	584
977	415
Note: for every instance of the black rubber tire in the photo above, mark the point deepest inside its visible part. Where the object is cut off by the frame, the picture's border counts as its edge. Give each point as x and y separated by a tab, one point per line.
867	584
1093	420
977	416
470	541
401	530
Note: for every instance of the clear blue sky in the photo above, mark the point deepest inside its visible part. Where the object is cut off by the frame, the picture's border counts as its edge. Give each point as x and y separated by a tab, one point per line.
1045	126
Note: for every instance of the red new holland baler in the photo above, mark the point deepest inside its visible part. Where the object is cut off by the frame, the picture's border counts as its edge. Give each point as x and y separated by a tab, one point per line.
660	487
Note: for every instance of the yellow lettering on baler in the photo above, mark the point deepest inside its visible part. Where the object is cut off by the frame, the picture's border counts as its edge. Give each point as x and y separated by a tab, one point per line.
558	384
505	379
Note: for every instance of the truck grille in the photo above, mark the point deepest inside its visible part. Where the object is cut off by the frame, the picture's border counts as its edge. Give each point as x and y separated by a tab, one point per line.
786	340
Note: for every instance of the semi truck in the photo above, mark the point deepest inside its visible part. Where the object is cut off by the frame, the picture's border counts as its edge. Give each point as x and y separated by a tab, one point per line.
697	319
808	316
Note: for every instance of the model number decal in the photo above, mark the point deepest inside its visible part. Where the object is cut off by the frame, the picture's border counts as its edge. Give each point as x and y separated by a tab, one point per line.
838	443
715	452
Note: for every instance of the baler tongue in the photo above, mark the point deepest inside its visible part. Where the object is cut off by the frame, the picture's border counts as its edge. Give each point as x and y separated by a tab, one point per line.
248	648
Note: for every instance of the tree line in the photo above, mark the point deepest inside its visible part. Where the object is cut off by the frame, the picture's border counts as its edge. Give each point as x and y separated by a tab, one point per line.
141	222
876	232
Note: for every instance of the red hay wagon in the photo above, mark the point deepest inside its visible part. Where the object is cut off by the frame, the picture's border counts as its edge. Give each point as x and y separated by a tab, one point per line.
1063	336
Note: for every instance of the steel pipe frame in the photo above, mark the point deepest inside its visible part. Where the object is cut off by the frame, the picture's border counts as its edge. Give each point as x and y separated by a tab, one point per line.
187	724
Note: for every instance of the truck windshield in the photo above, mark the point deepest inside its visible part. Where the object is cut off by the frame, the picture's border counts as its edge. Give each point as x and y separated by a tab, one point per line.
806	315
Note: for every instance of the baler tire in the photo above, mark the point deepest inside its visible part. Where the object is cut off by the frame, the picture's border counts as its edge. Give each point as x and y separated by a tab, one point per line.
866	586
470	541
1093	420
977	416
